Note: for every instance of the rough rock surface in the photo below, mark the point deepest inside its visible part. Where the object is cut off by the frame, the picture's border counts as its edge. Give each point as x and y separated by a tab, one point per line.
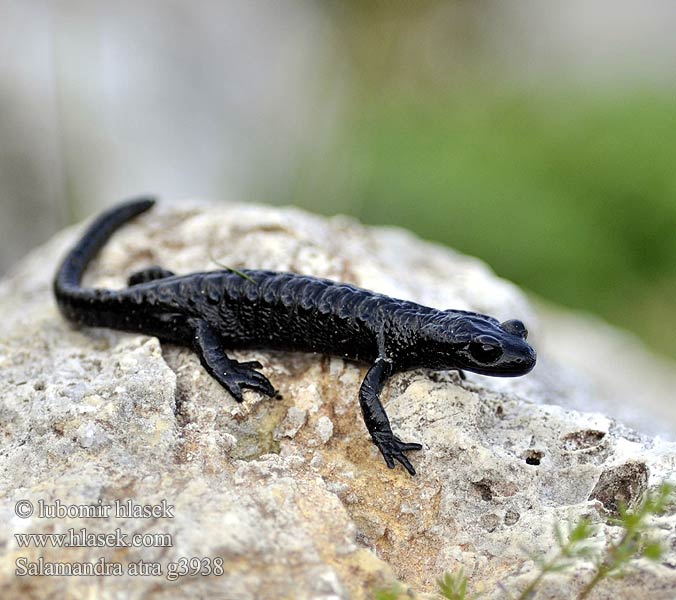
291	493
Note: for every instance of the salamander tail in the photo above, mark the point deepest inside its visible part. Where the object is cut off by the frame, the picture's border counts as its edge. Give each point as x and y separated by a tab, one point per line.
69	275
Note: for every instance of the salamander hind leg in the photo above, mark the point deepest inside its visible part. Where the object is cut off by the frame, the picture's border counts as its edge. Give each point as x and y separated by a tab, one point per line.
234	376
375	417
149	274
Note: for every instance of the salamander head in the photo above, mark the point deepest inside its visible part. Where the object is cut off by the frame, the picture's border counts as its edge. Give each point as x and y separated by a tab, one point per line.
478	343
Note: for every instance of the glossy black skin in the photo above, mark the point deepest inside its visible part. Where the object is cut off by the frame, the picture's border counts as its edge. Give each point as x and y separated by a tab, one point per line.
214	310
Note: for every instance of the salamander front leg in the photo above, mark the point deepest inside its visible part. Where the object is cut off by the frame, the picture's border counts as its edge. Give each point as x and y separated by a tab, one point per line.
231	374
375	417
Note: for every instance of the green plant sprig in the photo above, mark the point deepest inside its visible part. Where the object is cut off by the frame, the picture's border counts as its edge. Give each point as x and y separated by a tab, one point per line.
576	545
634	543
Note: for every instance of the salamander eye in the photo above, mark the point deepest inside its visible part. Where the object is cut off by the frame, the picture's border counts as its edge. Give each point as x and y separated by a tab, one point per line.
485	349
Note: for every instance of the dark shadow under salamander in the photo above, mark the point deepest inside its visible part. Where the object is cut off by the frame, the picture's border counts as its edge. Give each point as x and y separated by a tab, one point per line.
214	310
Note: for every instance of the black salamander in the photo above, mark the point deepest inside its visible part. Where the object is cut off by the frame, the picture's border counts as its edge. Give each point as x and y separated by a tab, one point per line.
214	310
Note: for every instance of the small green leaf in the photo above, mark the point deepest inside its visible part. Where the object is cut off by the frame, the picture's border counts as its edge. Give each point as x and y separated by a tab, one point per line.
653	551
393	592
453	586
582	531
230	269
240	273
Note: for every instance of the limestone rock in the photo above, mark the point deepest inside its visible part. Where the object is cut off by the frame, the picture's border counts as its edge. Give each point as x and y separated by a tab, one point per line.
290	494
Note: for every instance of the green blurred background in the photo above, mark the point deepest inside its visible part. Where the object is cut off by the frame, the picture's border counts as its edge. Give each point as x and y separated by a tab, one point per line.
540	137
570	195
564	185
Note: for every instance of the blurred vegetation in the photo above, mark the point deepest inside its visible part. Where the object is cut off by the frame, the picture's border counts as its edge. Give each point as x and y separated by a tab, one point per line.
569	193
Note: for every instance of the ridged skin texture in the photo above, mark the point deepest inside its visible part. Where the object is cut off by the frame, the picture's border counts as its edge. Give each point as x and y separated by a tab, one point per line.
216	310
